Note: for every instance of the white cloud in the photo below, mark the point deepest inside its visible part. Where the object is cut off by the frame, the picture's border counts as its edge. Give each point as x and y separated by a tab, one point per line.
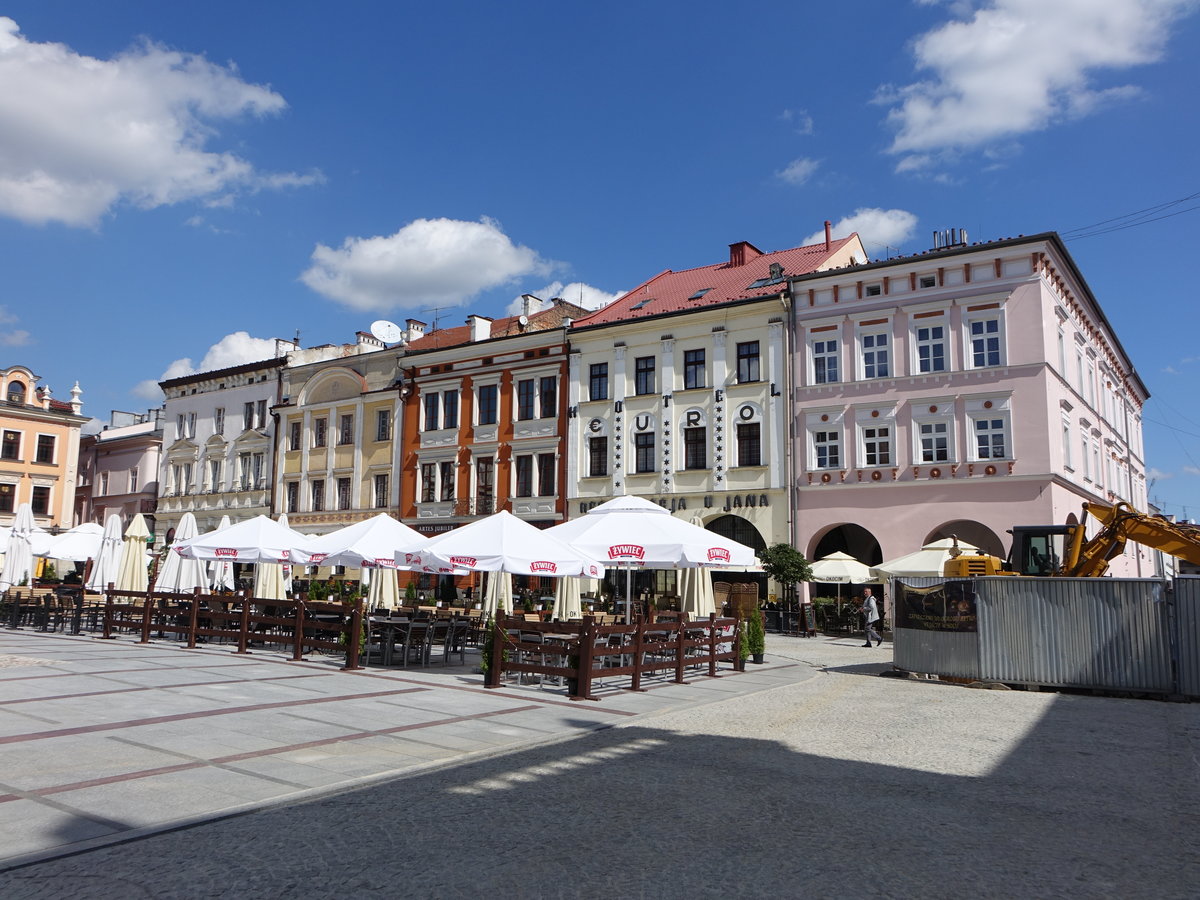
80	135
1018	66
439	262
1157	474
1191	470
876	227
231	350
576	292
799	119
11	337
798	171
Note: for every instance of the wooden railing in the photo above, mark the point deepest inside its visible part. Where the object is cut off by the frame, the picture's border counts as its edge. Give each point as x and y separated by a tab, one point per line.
583	653
294	625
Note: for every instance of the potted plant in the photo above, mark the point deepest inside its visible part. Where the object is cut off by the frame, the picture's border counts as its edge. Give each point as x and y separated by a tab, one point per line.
755	639
786	565
410	594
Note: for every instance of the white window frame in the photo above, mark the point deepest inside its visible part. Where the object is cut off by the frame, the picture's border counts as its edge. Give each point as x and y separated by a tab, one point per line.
970	319
825	337
834	435
873	333
1068	455
861	450
990	421
918	344
944	417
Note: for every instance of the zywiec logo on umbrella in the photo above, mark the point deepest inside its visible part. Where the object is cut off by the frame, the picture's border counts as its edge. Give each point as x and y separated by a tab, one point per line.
626	551
224	552
413	559
542	565
467	562
594	571
386	562
317	558
718	554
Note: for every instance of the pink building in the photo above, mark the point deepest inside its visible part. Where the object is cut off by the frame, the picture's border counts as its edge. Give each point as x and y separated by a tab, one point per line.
959	391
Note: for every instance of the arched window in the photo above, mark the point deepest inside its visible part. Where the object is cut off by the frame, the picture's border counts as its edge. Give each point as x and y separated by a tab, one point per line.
16	392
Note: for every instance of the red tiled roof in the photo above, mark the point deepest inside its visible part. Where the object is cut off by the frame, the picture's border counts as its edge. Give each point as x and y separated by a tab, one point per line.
503	327
673	291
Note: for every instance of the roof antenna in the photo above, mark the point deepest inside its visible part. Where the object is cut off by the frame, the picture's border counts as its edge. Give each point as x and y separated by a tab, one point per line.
435	310
296	339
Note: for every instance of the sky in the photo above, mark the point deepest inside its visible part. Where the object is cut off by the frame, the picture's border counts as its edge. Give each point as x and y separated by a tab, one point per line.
182	183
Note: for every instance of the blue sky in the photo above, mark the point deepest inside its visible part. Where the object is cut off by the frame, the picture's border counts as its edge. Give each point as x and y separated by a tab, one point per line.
180	183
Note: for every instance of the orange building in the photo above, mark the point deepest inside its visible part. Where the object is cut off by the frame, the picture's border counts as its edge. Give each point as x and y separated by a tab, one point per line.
39	449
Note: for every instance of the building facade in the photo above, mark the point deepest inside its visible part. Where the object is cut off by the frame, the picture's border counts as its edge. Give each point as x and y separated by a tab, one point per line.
338	449
959	392
119	469
39	449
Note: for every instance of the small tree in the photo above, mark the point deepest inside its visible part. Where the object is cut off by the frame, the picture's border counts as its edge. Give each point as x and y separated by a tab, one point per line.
755	638
410	594
787	565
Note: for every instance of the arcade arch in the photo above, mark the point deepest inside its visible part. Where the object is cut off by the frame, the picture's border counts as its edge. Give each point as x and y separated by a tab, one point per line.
969	532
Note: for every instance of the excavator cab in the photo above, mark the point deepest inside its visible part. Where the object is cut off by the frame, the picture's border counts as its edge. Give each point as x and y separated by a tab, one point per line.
1040	549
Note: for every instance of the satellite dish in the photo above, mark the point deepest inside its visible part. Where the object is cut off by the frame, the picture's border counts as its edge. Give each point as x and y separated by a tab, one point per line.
388	332
523	320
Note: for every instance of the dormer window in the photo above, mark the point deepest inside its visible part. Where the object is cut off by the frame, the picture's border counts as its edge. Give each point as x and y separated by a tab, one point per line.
16	393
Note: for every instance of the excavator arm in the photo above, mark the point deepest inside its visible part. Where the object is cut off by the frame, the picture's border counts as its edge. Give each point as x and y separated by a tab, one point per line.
1121	524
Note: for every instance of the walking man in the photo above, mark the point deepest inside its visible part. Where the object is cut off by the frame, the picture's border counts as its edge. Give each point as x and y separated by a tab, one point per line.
870	610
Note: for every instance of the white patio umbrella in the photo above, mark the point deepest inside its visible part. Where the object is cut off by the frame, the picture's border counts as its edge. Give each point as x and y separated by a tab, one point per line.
220	571
567	603
18	560
131	570
107	561
502	542
497	594
287	568
696	596
840	568
268	582
632	531
179	575
251	541
378	542
925	563
76	545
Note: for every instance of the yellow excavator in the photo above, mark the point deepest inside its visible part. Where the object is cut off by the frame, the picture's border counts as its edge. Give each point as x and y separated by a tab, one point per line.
1064	551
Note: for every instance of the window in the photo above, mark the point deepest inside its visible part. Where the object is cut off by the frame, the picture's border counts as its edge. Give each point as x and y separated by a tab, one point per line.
343	493
10	448
318	495
295	429
825	362
247	415
934	441
875	355
985	342
546	474
40	501
525	399
246	477
827	449
8	494
747	362
488	396
693	369
293	496
524	476
103	484
346	429
991	438
45	448
320	428
877	445
1085	458
260	420
485	485
428	482
927	281
749	444
181	419
931	348
643	375
219	420
1066	439
450	409
431	411
133	480
447	473
16	393
643	448
597	456
383	424
873	290
381	491
548	397
598	381
214	475
695	448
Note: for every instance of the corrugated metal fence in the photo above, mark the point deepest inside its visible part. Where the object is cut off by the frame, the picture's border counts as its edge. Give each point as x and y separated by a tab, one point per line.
1102	633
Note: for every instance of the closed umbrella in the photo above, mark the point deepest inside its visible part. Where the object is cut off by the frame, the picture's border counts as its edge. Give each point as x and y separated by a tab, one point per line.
131	570
268	582
18	561
179	575
107	561
287	568
696	596
384	590
567	604
497	594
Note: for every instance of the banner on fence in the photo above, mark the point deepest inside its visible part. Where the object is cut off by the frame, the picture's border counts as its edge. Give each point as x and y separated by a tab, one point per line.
948	606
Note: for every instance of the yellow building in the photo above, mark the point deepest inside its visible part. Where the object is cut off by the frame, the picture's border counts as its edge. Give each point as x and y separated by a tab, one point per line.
39	449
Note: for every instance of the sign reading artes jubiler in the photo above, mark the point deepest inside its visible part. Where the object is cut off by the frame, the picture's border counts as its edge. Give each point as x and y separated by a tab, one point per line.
949	606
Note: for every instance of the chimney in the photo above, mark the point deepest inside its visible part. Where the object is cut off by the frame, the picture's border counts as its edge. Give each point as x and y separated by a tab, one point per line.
481	327
828	235
45	397
366	339
415	330
742	252
530	304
